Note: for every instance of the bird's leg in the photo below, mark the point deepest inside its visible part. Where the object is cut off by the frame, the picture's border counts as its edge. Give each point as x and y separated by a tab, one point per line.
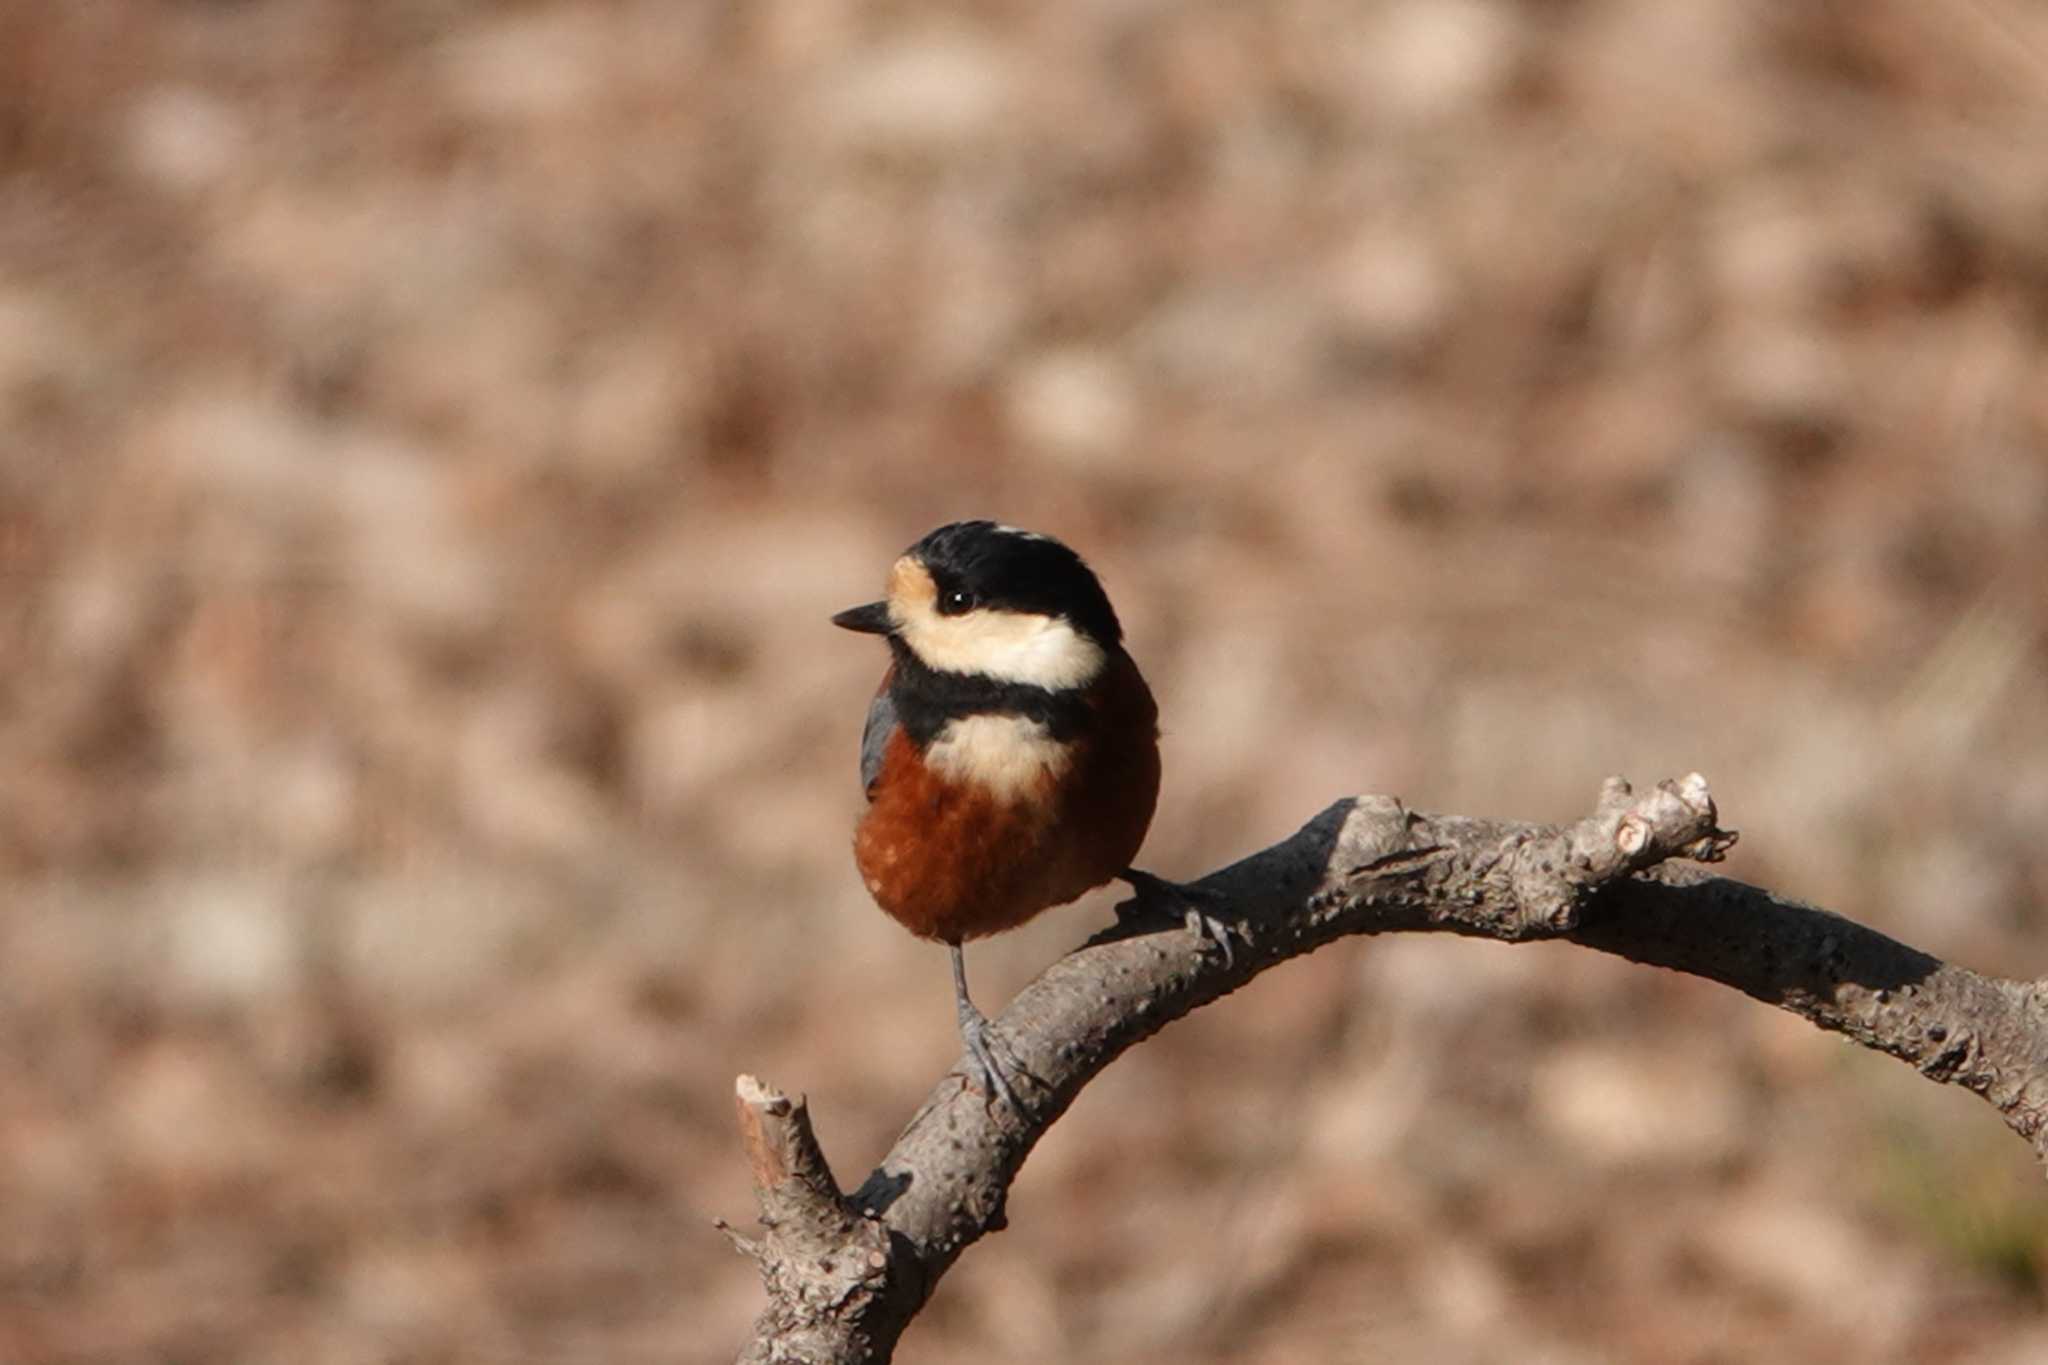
1191	905
974	1033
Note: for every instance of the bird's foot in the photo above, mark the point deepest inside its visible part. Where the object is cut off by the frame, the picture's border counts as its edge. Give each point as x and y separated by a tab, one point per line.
1194	907
982	1067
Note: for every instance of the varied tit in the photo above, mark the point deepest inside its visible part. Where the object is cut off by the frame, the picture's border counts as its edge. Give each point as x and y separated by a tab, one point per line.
1011	757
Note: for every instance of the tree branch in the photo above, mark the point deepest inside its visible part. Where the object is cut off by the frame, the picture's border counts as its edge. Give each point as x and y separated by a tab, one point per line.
846	1274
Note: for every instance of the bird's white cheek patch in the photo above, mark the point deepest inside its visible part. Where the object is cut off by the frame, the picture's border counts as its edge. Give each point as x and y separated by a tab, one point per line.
1009	646
1012	647
1012	758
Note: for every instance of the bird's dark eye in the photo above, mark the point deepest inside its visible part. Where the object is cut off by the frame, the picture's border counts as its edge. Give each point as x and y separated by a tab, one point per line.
955	601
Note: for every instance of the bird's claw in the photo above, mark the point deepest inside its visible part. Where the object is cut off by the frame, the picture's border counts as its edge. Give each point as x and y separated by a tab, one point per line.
1216	930
1157	896
981	1060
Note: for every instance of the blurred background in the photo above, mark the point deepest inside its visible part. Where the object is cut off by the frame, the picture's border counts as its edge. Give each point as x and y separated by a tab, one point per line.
433	434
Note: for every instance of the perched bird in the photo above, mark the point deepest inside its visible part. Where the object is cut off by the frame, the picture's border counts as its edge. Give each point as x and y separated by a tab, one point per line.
1011	757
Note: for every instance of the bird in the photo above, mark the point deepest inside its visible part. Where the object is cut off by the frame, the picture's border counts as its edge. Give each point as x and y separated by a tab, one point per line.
1011	754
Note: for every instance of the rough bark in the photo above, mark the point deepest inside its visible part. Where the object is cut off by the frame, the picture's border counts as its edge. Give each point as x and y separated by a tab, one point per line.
846	1273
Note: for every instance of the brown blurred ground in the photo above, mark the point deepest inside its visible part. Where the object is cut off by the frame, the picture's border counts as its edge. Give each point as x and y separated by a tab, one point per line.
433	434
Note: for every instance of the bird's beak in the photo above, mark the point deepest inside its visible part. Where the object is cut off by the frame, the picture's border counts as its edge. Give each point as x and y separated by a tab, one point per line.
872	619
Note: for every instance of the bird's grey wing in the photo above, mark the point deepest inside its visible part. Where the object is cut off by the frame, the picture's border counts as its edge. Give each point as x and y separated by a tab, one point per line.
874	739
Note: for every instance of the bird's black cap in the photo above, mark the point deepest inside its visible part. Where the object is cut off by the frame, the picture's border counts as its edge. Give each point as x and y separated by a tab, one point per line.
1006	569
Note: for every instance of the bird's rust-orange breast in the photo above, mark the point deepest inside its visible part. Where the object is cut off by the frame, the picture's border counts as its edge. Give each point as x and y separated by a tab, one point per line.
947	859
953	858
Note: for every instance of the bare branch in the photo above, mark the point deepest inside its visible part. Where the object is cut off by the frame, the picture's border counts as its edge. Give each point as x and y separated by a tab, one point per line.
827	1269
846	1274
